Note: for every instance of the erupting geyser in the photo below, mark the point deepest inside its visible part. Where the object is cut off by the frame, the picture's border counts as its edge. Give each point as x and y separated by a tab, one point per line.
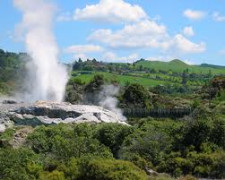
47	77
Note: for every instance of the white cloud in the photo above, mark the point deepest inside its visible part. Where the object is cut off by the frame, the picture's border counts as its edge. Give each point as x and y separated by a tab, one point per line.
145	34
112	11
186	46
188	31
142	34
112	57
83	49
217	17
139	32
193	14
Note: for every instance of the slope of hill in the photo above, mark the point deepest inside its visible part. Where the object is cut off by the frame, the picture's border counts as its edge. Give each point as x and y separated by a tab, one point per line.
179	66
212	66
147	73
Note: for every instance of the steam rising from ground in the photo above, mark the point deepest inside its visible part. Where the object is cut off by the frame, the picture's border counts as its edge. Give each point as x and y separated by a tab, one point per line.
108	100
47	77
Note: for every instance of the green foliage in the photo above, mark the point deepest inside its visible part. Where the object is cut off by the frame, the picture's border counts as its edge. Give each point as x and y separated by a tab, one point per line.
196	132
95	84
217	135
72	169
64	142
112	170
20	164
221	96
93	88
196	104
54	175
11	71
198	164
215	88
137	160
150	144
7	135
136	95
85	151
76	81
113	135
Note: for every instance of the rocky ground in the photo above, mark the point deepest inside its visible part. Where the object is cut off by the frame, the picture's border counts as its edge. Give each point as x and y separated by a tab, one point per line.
42	112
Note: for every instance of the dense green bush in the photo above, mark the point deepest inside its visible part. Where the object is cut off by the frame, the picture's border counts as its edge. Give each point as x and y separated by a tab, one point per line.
150	144
5	137
112	170
113	135
199	164
135	95
65	142
85	151
19	164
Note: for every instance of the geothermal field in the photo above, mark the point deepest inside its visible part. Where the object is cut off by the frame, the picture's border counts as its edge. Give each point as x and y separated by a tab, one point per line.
47	113
42	100
112	90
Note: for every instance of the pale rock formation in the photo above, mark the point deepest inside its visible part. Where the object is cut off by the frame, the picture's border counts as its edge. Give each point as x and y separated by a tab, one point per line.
43	112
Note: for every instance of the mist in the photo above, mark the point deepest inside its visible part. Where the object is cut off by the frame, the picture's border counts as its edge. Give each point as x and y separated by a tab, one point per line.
107	99
47	78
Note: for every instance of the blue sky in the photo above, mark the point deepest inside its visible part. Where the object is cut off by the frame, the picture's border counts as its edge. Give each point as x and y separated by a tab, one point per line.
127	30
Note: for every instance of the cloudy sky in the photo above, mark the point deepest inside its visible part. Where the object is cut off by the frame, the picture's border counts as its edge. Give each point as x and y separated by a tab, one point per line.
127	30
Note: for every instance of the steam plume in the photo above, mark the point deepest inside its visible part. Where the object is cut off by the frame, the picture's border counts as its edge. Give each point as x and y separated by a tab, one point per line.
108	100
48	77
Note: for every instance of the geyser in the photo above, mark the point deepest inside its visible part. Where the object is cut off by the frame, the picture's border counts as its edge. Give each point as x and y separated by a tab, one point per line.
47	77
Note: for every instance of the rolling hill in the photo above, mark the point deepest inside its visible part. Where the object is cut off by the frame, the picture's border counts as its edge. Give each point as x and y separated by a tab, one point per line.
179	66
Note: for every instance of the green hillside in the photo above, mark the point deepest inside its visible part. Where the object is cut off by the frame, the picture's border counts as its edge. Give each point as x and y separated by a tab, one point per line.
212	66
122	79
179	66
147	73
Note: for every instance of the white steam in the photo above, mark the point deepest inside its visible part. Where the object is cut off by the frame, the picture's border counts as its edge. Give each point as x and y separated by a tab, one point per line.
108	100
47	76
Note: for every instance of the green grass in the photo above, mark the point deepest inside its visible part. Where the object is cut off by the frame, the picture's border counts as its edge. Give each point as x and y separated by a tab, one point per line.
172	74
123	79
179	66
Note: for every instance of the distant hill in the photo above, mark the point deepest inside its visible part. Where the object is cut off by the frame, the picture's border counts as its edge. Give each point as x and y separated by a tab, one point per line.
147	73
179	66
212	66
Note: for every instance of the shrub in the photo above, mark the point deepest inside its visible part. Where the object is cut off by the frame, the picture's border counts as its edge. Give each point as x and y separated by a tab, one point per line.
54	175
64	142
112	170
136	94
113	135
151	145
19	164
